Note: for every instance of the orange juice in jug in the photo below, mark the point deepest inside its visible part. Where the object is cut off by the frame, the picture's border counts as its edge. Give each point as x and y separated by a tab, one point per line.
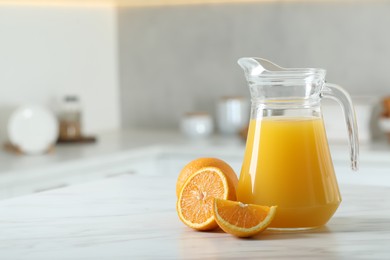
287	163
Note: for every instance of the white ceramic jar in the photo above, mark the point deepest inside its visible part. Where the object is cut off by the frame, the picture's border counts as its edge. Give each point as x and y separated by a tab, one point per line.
197	125
232	114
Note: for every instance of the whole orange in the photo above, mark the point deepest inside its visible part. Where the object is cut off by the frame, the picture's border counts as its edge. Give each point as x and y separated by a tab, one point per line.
200	163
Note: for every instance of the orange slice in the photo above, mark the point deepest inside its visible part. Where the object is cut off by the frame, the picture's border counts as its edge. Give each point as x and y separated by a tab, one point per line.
242	220
200	163
195	203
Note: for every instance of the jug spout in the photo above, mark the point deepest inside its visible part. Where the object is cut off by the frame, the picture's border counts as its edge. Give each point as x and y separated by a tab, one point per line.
257	66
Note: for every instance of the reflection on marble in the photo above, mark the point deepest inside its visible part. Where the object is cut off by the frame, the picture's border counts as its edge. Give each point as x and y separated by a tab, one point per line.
134	217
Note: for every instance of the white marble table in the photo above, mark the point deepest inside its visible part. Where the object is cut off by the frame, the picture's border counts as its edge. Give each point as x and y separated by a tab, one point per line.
134	217
139	150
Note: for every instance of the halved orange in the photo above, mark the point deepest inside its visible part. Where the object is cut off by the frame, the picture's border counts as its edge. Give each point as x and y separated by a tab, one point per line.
200	163
242	220
195	203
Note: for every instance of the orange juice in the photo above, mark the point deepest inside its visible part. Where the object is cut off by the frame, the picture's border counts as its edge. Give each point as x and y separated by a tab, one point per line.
287	163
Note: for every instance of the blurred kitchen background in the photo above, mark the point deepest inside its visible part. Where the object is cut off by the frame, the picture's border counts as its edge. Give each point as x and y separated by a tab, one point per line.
144	64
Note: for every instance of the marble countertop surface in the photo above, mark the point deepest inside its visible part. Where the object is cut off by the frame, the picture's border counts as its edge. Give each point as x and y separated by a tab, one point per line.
134	217
123	142
116	143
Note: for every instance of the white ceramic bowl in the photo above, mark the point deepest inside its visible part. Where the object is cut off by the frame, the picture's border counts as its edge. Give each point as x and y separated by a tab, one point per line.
33	129
197	125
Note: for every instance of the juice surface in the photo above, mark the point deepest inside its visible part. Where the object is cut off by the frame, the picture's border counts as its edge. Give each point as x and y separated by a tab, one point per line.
287	163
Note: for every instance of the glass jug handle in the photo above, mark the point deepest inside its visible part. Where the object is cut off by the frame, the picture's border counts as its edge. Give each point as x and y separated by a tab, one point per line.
337	93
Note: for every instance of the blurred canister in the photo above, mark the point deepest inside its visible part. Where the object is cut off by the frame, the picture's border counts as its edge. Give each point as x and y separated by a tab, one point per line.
70	118
197	125
232	114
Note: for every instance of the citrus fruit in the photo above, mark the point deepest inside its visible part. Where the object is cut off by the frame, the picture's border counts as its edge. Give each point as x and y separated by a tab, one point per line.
195	203
200	163
242	220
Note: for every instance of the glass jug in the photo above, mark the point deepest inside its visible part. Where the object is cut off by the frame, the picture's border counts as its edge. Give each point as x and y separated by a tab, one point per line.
287	159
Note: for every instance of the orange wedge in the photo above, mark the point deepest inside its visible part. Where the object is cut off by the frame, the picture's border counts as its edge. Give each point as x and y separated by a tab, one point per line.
200	163
195	203
242	220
